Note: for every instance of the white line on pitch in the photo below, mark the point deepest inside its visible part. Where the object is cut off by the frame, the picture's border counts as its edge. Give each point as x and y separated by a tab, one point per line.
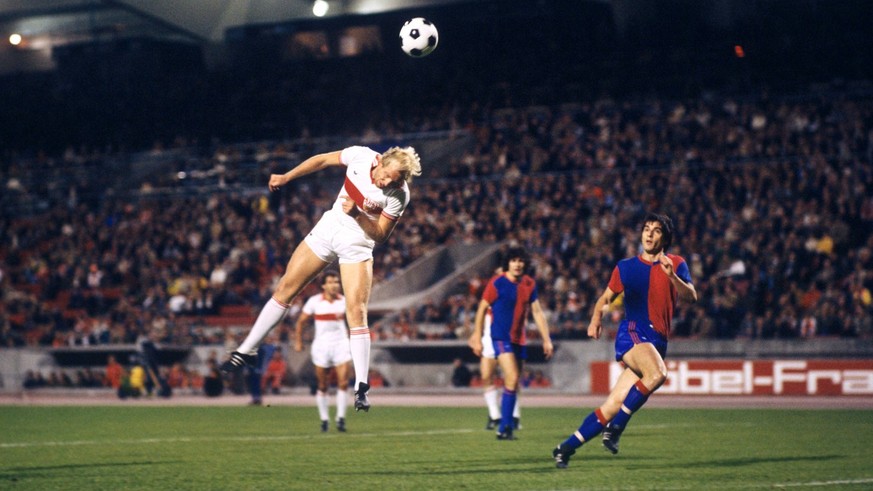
73	443
838	482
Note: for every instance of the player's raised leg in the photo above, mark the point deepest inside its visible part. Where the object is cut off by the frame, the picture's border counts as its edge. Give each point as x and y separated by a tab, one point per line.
645	360
595	422
302	268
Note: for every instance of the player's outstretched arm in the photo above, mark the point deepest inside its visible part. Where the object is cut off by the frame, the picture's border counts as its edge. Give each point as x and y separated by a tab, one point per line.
308	166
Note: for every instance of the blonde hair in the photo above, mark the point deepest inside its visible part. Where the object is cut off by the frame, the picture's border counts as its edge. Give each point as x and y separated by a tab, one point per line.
407	160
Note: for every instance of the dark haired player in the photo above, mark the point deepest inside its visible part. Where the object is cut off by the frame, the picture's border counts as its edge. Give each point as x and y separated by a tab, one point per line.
330	345
651	283
510	296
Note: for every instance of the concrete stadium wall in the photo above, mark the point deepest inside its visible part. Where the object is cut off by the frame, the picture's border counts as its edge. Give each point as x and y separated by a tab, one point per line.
428	364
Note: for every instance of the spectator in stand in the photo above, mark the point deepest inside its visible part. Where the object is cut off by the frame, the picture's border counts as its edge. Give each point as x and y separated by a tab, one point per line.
461	374
275	374
540	381
114	372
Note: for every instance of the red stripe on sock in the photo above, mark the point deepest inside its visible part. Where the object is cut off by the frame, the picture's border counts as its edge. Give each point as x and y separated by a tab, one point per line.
600	417
642	388
281	303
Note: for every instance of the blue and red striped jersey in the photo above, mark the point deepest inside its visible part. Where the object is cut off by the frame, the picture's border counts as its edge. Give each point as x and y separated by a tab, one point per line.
510	303
649	297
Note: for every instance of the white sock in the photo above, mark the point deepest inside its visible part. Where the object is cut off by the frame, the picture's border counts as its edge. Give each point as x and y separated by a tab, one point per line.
491	402
516	411
270	315
359	343
321	402
342	401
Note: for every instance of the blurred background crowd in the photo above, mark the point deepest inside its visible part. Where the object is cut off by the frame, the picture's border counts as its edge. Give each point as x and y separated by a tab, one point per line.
772	199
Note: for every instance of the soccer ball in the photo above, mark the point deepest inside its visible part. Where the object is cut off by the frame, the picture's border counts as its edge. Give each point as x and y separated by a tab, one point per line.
418	37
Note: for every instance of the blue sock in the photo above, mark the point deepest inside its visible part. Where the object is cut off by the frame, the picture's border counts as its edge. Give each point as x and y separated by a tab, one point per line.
507	404
636	397
592	425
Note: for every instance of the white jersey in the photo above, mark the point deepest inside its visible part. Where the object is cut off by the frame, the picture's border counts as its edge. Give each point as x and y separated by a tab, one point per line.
330	347
372	201
329	316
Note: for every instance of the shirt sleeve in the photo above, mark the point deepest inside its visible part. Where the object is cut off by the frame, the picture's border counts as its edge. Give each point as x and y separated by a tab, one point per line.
309	306
615	283
682	270
396	202
533	293
354	154
490	293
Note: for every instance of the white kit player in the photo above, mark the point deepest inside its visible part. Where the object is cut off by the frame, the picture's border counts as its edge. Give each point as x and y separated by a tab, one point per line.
330	346
373	197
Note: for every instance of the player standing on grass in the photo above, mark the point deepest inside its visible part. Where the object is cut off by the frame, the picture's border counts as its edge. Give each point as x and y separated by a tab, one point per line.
651	283
488	372
373	197
510	296
330	346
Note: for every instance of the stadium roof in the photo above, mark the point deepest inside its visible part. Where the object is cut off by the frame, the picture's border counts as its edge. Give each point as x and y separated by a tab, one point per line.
44	24
201	19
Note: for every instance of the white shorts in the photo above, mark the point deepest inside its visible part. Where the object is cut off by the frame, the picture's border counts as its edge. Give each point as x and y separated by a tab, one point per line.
330	352
487	346
330	240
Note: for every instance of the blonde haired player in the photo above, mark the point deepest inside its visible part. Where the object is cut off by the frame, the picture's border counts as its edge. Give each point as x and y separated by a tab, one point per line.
330	345
372	199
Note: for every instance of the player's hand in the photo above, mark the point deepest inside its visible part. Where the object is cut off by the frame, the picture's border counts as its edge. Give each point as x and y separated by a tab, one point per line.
594	329
349	206
666	265
277	181
475	343
548	348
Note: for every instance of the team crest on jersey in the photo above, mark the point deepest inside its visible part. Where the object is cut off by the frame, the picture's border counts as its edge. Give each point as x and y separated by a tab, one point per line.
372	206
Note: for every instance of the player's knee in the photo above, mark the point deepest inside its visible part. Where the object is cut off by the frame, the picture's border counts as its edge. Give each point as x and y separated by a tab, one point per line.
356	313
656	378
285	289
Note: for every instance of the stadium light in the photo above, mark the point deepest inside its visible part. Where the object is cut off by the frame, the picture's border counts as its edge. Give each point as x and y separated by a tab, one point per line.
319	8
15	39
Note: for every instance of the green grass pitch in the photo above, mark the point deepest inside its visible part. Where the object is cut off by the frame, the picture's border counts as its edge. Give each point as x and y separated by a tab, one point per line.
173	448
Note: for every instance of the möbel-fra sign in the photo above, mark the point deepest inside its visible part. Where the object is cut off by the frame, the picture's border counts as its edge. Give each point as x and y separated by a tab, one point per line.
758	377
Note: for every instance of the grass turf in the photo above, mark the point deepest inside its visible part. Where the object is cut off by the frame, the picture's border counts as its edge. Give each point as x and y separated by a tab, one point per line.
425	448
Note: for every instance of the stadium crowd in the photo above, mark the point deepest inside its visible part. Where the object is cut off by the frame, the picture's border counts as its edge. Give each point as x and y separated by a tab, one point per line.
772	200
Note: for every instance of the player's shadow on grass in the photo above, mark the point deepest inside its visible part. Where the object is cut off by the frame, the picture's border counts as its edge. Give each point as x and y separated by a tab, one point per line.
742	461
518	465
46	470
